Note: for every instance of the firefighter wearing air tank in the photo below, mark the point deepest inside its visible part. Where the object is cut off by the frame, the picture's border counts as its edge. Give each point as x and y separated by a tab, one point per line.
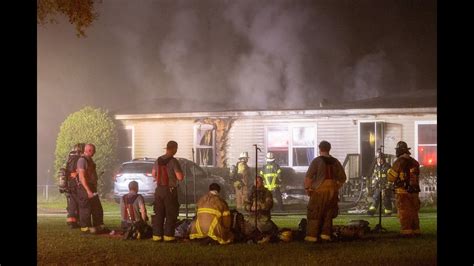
380	182
405	175
271	173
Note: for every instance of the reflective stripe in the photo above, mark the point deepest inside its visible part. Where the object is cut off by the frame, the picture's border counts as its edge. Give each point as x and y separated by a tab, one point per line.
270	185
325	237
84	229
387	211
169	238
213	211
157	238
392	172
198	228
210	232
310	239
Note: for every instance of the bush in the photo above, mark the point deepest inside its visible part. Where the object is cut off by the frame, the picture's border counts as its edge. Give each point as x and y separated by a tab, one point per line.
95	126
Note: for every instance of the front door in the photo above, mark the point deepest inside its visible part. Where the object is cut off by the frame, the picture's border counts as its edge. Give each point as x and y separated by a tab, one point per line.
371	139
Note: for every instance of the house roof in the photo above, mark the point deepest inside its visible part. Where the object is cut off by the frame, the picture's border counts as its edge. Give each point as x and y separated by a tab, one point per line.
414	99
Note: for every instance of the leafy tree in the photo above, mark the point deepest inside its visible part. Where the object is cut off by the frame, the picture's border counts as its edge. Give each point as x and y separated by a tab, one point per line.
81	13
90	125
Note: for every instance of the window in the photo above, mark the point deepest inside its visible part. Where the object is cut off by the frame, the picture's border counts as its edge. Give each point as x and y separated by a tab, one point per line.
292	145
125	144
278	142
426	143
204	141
303	146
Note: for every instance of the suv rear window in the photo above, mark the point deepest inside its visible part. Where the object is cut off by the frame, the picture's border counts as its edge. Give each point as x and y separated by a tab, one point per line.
136	168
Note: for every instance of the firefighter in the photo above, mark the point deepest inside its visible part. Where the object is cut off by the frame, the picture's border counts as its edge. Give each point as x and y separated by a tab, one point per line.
324	178
167	172
240	185
72	184
271	174
405	175
213	218
260	207
380	182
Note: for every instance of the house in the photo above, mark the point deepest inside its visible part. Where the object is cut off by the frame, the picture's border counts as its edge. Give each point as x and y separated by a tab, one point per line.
217	136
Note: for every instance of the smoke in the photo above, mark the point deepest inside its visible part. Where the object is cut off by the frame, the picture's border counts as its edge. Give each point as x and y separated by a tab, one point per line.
371	74
270	74
241	54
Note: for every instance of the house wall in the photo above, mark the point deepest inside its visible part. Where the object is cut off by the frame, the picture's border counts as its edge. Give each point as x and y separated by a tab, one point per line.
341	131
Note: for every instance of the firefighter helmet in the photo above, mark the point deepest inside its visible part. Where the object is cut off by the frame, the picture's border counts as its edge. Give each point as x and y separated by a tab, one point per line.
270	157
401	148
244	155
285	235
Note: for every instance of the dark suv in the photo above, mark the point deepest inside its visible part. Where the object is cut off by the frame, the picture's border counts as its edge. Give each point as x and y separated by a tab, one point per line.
140	170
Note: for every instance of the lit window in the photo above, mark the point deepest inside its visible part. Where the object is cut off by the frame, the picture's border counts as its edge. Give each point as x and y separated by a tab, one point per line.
204	141
293	145
427	144
278	142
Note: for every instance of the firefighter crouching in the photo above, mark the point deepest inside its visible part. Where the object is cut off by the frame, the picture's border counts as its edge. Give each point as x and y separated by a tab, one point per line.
323	179
213	218
260	207
405	175
271	173
380	182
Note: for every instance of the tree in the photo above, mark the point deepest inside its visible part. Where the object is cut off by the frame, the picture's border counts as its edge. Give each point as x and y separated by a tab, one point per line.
90	125
81	13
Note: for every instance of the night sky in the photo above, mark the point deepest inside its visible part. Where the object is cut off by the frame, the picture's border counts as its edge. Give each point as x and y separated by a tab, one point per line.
247	54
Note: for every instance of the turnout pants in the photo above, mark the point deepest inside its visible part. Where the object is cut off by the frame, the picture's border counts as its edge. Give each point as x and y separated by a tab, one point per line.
166	209
277	194
89	208
72	206
322	208
387	199
240	197
408	205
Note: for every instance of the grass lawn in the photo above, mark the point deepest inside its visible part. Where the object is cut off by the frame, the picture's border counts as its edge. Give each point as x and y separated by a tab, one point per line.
58	244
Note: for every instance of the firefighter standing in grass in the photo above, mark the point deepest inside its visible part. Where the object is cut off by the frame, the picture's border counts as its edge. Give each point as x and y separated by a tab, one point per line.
323	179
380	182
167	172
213	218
405	175
271	173
241	184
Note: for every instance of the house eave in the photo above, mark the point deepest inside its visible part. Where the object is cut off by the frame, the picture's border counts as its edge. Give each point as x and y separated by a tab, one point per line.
269	113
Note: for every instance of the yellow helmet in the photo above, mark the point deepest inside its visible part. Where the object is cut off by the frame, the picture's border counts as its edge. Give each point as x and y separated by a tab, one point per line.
285	235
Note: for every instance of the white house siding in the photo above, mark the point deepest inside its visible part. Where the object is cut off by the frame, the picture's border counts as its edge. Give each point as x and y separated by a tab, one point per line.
342	134
342	130
152	135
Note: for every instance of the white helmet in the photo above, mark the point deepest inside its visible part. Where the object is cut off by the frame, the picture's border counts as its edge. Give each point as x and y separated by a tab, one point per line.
270	157
244	155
